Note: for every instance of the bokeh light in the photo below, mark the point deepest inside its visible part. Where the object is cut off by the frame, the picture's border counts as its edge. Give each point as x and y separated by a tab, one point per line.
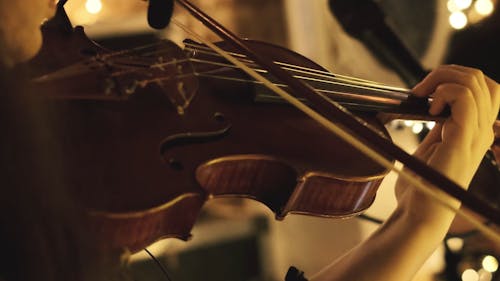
463	4
455	244
417	127
93	6
490	263
470	275
458	20
484	7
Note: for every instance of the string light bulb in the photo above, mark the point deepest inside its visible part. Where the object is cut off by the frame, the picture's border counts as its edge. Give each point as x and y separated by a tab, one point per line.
408	123
485	275
458	20
464	12
455	244
470	275
452	6
463	4
430	125
484	7
93	6
417	127
490	263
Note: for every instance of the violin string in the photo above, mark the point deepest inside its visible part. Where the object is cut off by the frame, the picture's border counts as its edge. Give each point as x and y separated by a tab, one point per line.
377	104
135	66
336	79
385	93
349	99
350	138
88	66
351	81
131	51
285	95
337	94
135	55
145	51
382	93
206	50
140	68
380	89
157	51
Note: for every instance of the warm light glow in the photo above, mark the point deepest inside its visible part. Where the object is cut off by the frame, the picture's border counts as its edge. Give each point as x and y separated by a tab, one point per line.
452	6
485	275
458	20
490	263
430	125
463	4
408	123
417	128
470	275
484	7
93	6
455	244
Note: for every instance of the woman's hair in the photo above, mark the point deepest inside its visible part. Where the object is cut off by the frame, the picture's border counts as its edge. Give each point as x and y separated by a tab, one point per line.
42	230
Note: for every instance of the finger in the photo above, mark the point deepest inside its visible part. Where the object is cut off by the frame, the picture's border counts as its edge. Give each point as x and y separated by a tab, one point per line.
494	88
481	78
428	85
463	121
432	138
456	75
481	92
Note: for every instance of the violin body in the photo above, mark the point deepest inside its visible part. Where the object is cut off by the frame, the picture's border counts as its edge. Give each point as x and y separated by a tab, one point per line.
148	137
144	163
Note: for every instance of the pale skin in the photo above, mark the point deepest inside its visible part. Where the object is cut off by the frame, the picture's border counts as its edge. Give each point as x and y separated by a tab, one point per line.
455	148
397	250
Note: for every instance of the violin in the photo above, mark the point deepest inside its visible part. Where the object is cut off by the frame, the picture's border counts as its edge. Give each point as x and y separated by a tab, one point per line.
148	135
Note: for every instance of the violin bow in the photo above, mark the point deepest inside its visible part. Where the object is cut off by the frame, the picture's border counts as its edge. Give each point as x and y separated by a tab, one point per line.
368	141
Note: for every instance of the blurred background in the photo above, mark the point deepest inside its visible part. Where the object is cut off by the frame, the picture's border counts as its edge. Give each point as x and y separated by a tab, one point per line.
239	239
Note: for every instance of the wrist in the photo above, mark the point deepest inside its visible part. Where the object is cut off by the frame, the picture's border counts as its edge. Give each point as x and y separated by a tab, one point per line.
430	220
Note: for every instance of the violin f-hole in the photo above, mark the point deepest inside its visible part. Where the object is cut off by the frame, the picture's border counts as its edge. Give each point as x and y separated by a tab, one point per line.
189	138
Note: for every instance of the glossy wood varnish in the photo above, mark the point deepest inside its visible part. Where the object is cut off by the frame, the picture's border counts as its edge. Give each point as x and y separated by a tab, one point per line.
143	171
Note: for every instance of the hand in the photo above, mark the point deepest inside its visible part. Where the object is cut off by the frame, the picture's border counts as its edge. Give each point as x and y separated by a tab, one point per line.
456	146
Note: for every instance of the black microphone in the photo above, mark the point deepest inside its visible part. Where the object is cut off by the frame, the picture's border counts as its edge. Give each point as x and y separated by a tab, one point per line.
364	20
159	13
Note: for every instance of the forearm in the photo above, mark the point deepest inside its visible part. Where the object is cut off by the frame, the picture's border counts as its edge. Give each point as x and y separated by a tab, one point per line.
396	251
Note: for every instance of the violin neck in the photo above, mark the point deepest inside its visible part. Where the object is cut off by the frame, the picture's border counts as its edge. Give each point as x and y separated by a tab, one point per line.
355	94
412	108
